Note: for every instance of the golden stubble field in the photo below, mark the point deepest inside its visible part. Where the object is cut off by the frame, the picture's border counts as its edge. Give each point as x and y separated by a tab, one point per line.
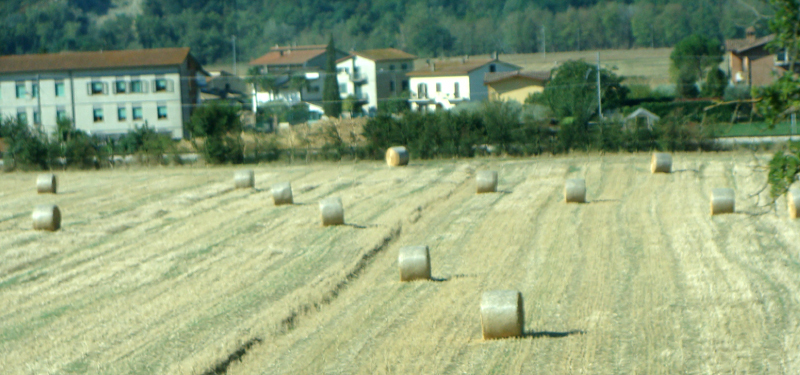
171	270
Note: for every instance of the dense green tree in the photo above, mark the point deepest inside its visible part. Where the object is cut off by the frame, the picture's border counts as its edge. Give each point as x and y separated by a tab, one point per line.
716	82
331	99
218	123
691	58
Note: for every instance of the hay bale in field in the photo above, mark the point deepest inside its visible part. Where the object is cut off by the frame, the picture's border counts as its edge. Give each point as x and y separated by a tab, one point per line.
243	179
793	199
661	163
486	181
396	156
46	183
282	193
501	314
575	190
722	201
46	217
415	263
332	211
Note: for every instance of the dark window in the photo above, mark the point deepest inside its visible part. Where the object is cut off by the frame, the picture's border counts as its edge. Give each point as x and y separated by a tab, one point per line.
98	114
391	67
422	91
161	85
404	66
391	86
404	85
162	112
97	88
456	91
492	68
21	90
438	87
34	90
136	86
137	113
61	114
59	89
122	114
121	87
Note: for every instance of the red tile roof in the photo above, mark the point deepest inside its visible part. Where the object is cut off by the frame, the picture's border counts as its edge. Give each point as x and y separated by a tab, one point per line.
385	54
93	60
502	76
289	55
453	67
741	45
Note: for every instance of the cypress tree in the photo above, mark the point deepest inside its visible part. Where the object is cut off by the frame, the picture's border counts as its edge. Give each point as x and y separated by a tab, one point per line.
331	99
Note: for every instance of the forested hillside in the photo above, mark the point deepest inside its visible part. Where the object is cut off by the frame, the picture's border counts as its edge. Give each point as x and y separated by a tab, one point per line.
424	27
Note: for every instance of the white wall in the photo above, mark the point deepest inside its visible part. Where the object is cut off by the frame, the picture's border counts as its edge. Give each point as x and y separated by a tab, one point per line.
84	102
446	98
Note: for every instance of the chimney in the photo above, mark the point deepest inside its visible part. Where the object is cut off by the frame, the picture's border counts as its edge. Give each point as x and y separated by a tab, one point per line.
751	34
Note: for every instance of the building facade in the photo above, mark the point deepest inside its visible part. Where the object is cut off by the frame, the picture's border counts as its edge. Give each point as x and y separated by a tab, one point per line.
447	84
102	93
515	86
373	76
294	72
751	63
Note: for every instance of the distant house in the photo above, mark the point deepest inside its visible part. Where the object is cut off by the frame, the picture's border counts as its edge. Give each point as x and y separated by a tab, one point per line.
221	85
639	115
297	74
104	93
374	75
750	63
516	85
446	84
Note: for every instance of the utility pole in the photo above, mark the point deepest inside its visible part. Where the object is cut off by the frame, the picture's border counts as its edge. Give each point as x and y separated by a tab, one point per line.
599	96
794	126
234	54
544	42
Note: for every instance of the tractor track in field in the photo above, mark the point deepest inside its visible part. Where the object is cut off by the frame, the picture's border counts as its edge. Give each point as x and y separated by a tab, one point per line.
289	321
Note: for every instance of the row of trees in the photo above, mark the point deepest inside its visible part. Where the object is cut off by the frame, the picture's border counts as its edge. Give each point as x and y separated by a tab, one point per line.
425	27
501	128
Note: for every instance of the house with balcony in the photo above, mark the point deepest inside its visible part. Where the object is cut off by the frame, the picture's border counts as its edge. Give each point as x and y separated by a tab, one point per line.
294	74
373	76
104	93
447	84
751	63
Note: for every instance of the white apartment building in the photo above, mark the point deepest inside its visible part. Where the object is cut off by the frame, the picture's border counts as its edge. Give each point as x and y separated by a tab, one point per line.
446	84
104	93
373	76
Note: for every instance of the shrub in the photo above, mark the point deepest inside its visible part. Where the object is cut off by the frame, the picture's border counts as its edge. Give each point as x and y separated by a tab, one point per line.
221	127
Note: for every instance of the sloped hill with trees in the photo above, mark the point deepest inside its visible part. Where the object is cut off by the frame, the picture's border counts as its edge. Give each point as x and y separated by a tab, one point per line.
424	27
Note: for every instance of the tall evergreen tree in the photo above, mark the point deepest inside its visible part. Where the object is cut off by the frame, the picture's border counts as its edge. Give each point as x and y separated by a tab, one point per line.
331	99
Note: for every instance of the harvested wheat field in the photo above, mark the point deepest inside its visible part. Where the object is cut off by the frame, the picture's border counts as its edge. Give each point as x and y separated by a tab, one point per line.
174	271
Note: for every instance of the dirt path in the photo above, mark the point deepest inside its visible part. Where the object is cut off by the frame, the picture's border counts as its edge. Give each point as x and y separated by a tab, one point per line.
173	271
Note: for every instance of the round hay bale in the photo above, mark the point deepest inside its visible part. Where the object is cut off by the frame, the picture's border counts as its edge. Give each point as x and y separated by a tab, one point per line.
722	201
396	156
46	217
501	314
332	211
46	183
661	163
486	181
415	263
793	199
282	193
244	178
575	190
